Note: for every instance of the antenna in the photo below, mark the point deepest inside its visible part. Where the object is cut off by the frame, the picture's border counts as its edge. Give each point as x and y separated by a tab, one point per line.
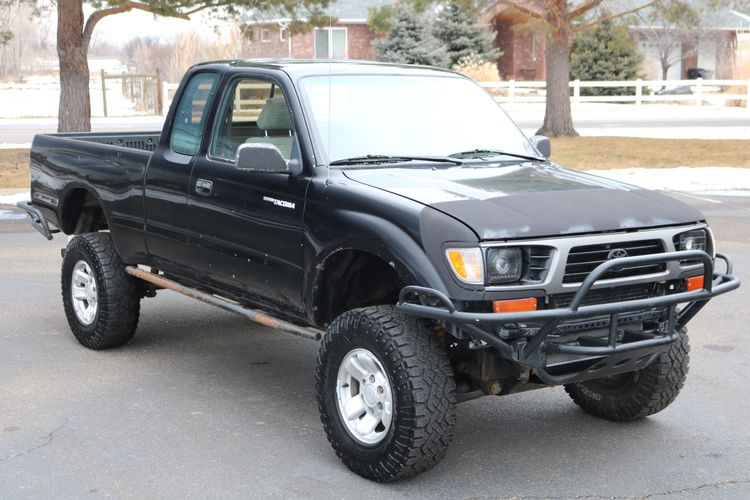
330	70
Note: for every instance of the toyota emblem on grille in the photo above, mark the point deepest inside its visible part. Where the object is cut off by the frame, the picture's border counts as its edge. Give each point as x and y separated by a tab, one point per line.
617	253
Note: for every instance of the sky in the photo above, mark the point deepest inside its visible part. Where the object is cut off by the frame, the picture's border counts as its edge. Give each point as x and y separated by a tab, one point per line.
120	28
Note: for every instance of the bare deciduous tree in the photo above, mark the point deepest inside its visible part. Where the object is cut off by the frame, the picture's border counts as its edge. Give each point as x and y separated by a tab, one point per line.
671	31
171	57
560	20
75	30
19	38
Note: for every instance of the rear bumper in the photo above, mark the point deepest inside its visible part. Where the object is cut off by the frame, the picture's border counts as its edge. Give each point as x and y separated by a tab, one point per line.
38	221
539	332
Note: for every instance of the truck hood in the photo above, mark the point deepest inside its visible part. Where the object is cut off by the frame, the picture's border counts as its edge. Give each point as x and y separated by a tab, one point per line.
529	200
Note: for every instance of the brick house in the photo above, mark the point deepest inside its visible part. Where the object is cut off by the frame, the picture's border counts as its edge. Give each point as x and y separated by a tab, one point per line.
522	51
715	46
724	33
718	43
350	37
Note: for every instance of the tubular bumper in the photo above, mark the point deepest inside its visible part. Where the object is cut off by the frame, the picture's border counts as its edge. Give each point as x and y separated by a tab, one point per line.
38	221
616	356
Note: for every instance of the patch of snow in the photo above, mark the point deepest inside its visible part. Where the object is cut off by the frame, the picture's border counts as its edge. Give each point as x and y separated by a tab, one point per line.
15	146
39	96
12	199
698	132
11	215
711	181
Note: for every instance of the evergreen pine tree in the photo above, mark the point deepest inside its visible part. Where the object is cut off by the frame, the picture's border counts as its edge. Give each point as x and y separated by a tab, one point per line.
463	37
411	42
604	52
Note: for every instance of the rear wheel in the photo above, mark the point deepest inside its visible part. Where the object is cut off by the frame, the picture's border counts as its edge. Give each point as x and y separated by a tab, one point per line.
386	393
101	301
634	395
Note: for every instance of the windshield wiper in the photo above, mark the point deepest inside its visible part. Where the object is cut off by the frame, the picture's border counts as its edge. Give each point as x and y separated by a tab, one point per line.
486	153
375	159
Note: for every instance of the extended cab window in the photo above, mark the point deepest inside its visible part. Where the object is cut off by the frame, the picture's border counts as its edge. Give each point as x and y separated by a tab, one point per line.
253	111
189	121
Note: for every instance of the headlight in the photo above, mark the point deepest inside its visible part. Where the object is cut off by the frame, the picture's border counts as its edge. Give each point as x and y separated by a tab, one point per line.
467	264
692	240
504	265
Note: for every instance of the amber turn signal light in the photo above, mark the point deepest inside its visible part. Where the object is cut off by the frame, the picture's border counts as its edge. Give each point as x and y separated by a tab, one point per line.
515	305
694	283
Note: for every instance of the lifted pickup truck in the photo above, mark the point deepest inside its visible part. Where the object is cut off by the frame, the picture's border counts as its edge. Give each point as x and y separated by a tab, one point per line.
400	210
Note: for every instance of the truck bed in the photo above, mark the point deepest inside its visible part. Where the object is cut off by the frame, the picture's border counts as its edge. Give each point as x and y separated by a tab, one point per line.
67	169
145	141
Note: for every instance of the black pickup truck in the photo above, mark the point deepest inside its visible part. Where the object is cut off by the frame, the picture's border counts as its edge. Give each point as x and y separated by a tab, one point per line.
398	211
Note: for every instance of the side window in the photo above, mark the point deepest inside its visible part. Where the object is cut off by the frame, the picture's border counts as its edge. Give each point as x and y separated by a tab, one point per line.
189	121
330	43
252	111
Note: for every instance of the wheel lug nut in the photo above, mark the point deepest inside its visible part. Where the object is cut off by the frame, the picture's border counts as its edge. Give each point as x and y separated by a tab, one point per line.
380	406
380	389
372	378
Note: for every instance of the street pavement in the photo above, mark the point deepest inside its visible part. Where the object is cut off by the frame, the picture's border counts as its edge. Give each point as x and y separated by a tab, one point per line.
203	404
592	119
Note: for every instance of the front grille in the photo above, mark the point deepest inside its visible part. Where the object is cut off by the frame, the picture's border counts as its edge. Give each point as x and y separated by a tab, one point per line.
539	259
606	295
584	259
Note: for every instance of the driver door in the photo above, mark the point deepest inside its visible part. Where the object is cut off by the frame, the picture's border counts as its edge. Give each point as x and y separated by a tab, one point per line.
246	227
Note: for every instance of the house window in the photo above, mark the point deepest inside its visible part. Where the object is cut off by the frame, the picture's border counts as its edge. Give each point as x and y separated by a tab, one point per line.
265	35
330	43
283	34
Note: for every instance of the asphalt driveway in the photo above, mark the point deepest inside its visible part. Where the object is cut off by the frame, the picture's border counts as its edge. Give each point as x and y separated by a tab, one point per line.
203	404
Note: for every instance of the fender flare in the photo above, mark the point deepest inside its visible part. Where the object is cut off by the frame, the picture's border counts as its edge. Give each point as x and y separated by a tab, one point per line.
65	199
382	239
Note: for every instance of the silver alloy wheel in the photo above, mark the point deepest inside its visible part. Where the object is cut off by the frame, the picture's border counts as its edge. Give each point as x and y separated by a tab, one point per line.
365	397
83	292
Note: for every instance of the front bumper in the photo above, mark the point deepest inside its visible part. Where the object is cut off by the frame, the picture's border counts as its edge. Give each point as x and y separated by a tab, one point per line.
540	331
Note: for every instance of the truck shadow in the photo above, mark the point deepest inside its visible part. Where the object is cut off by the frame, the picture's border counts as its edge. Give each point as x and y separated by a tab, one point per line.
270	375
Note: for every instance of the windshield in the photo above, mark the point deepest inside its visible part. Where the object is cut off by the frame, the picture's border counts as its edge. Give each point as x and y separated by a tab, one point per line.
408	116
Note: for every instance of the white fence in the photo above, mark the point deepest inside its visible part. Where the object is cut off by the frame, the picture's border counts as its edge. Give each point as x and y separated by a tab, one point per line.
168	90
719	92
247	103
697	92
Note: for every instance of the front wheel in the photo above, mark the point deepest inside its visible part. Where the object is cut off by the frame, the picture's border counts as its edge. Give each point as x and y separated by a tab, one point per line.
634	395
386	393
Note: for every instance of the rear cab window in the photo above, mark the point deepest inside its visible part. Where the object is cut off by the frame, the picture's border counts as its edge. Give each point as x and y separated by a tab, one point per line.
190	119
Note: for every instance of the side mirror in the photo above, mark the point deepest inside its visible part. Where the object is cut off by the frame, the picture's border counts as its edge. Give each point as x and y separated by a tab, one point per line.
261	158
542	144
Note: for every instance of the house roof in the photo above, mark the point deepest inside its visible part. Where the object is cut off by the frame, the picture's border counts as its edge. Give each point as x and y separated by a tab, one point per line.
725	19
711	17
352	11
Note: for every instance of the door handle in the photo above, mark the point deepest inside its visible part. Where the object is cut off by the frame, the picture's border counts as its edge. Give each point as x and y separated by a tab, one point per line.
203	187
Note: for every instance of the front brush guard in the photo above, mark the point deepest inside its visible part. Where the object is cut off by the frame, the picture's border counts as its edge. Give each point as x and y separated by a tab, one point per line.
615	357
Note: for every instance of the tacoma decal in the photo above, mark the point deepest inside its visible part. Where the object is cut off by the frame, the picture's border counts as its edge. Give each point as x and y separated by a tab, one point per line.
279	203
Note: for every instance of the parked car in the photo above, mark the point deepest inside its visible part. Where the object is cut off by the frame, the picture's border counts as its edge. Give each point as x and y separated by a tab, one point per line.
695	73
399	209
